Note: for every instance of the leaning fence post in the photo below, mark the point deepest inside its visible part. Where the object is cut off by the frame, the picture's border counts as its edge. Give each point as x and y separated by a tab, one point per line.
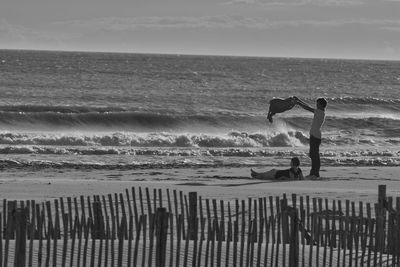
294	240
192	215
380	226
98	221
1	241
20	240
381	195
382	200
11	209
162	228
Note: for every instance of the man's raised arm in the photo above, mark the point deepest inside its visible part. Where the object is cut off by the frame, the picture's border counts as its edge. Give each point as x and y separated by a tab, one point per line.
303	104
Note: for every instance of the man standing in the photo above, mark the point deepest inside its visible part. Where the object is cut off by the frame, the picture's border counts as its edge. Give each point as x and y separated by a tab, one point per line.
315	133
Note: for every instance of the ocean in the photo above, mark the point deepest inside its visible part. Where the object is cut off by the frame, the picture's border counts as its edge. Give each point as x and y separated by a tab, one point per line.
63	111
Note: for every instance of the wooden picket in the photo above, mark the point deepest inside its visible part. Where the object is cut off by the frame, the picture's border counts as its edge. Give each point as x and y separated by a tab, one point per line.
185	230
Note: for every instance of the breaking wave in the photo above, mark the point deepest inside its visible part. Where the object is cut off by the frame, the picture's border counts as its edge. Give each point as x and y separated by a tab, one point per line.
157	139
86	159
117	119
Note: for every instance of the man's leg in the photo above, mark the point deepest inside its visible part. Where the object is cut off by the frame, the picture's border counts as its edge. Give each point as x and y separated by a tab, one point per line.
314	155
268	175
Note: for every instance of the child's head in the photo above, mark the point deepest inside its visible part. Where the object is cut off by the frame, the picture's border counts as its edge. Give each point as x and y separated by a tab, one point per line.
295	162
322	103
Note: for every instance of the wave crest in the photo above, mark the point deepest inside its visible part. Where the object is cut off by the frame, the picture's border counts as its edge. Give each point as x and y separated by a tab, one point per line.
158	139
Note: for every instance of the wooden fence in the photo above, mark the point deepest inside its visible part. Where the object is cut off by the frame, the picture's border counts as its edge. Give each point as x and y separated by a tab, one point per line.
143	227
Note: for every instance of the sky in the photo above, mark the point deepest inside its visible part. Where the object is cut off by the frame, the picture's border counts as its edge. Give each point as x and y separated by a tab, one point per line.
356	29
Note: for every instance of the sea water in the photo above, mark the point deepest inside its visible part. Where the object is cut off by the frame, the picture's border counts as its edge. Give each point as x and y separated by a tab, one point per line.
109	111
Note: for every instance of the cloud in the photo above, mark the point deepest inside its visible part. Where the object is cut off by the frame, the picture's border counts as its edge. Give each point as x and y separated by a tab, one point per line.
219	34
300	2
344	22
393	29
11	32
224	21
73	30
250	2
15	36
17	33
206	22
390	50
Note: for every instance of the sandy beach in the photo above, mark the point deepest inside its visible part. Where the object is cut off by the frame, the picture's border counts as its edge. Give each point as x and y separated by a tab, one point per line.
339	183
344	183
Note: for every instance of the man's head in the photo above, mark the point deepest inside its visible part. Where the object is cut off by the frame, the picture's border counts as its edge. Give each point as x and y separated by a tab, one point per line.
321	103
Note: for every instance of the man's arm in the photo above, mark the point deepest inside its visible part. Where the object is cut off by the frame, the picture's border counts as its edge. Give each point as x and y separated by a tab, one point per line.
303	105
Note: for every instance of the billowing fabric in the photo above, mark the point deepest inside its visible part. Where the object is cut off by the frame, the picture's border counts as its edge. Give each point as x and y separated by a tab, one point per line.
279	105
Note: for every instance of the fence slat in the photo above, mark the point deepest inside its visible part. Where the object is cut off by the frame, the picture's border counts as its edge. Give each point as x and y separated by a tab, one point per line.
155	200
213	239
1	240
124	216
73	236
31	234
152	222
186	251
117	218
141	201
128	200
41	223
267	230
130	237
65	243
80	236
192	215
93	248
326	239
242	234
50	230
183	214
108	238
47	263
69	203
294	242
121	234
219	244
138	231
278	235
55	243
161	230
194	258
135	211
171	245
202	238
312	225
86	239
229	237
303	233
179	239
144	240
149	209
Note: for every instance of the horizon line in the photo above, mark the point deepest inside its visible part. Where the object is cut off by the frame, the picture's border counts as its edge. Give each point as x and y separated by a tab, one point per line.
195	54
